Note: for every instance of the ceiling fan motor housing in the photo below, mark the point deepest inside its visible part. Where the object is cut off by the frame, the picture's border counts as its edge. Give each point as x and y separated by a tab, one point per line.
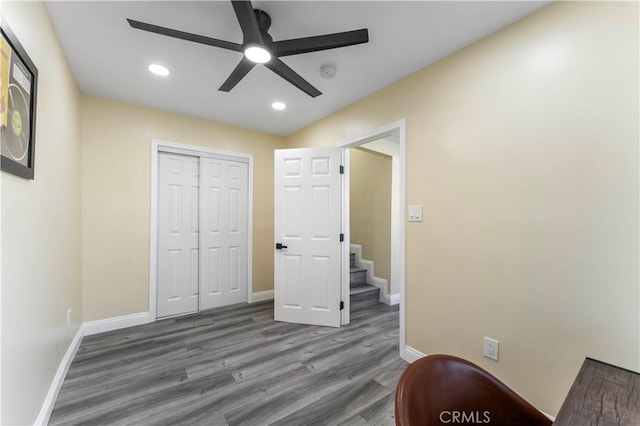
263	19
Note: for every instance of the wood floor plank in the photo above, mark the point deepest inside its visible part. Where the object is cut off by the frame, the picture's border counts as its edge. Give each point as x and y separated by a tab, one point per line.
136	408
232	396
355	421
117	392
325	381
382	412
236	366
276	406
389	377
338	406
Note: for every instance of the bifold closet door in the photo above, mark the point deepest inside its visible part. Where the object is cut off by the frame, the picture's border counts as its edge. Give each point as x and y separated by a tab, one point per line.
224	229
178	234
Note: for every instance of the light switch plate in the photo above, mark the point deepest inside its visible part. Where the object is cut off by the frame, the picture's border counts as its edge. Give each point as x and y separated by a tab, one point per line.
415	213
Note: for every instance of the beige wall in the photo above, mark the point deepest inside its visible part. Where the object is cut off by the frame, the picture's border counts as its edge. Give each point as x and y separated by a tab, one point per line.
116	181
523	149
370	208
41	267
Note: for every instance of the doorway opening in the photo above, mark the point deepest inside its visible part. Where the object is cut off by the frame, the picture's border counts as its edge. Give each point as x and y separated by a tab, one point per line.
371	175
388	141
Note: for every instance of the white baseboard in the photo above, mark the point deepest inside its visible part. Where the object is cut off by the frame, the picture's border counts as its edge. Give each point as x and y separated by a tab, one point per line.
411	354
116	323
380	283
384	298
56	383
390	299
86	329
261	296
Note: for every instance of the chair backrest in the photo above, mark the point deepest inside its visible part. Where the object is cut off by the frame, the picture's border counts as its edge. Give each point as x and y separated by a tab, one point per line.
443	389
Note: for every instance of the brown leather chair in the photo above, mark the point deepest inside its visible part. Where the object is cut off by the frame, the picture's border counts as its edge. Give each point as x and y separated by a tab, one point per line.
443	389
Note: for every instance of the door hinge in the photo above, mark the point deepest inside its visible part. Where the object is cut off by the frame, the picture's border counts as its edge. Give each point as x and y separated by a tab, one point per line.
341	170
341	305
341	237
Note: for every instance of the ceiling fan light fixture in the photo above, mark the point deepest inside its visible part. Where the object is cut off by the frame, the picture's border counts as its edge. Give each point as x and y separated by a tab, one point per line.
258	46
257	54
159	70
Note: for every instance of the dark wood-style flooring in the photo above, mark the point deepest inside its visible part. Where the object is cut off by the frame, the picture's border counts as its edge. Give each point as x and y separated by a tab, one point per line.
236	366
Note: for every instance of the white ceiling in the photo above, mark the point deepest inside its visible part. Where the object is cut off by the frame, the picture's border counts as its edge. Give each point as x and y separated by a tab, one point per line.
109	58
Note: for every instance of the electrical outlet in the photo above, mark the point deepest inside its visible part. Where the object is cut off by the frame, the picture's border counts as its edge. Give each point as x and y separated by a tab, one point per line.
491	348
69	317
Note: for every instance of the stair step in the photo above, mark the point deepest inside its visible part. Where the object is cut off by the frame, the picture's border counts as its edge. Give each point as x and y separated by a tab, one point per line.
365	288
363	296
352	258
357	277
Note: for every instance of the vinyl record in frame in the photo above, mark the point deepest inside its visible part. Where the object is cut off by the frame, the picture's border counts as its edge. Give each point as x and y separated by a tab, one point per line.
18	90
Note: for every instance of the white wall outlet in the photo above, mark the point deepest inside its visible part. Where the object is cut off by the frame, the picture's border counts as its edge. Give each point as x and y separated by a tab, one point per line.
415	213
69	317
491	348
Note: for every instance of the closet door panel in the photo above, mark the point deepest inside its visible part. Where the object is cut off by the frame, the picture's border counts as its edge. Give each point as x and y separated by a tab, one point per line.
224	221
178	234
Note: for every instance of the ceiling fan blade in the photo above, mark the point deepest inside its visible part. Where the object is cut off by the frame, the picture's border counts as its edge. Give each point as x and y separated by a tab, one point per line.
237	74
280	68
322	42
184	35
248	22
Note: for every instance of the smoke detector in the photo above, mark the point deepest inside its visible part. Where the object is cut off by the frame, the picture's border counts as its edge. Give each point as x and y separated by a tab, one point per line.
328	71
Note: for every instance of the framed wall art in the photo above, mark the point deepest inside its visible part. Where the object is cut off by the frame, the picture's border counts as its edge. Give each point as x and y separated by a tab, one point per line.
18	90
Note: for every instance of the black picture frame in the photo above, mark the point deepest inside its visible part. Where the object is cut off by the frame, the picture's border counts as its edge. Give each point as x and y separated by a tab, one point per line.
18	99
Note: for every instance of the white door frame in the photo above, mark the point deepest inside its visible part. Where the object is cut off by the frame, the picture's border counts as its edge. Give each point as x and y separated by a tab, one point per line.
398	266
199	151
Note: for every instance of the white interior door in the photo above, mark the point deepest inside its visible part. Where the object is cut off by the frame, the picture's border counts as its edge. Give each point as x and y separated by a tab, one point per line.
307	225
224	225
178	245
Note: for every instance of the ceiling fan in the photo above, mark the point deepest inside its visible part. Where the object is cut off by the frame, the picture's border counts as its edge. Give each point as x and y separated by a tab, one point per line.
259	48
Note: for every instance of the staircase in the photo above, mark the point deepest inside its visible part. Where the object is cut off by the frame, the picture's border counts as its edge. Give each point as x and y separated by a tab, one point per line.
361	293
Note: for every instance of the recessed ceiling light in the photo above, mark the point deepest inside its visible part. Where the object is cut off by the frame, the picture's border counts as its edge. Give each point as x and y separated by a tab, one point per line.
159	70
257	54
279	106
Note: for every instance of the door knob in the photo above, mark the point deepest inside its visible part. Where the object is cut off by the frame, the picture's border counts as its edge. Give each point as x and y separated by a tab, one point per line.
279	246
